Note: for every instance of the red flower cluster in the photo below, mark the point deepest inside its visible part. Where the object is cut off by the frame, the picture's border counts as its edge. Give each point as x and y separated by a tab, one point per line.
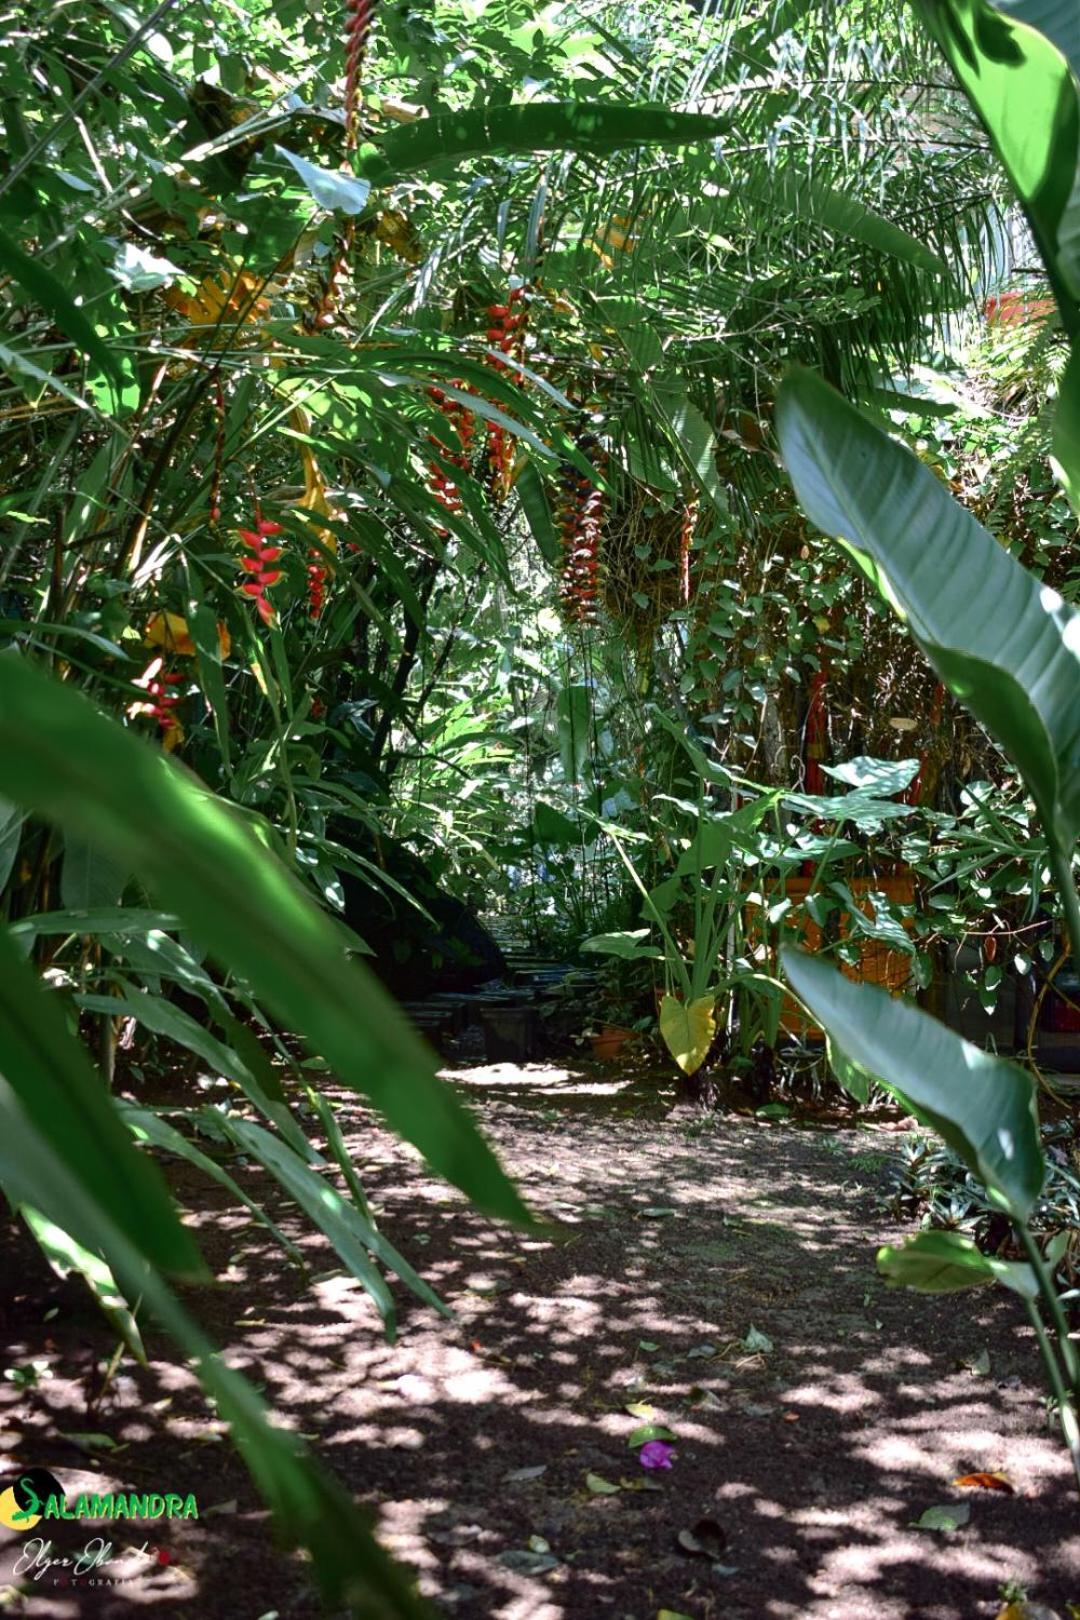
259	565
463	422
580	513
317	575
161	695
506	332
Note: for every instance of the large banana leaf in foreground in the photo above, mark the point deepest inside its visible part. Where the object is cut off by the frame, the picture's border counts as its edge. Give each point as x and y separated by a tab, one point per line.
61	757
1007	646
982	1106
1023	90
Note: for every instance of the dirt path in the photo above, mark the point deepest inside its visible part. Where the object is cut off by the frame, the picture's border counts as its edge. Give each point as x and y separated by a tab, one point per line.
811	1455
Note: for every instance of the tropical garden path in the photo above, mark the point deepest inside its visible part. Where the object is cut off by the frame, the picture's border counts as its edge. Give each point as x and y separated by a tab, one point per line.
715	1273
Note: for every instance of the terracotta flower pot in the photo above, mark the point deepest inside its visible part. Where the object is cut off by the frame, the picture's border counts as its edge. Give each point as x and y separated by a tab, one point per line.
611	1040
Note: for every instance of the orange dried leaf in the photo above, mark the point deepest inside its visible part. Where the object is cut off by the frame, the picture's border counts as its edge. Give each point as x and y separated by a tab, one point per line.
986	1482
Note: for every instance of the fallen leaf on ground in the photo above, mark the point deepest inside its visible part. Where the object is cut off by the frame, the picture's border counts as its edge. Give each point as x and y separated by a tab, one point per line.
650	1431
701	1352
599	1486
986	1482
641	1409
946	1516
756	1341
517	1476
91	1442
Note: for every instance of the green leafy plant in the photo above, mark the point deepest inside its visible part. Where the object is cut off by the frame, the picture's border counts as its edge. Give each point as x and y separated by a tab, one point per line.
1006	646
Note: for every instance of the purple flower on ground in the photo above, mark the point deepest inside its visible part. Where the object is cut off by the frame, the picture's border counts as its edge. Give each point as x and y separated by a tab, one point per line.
655	1454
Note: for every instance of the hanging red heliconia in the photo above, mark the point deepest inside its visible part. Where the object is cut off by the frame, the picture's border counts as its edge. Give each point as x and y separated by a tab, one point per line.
580	514
158	683
505	332
463	422
258	565
317	575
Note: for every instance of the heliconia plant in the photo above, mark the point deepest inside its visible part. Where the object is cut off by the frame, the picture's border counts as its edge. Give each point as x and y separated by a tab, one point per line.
1005	645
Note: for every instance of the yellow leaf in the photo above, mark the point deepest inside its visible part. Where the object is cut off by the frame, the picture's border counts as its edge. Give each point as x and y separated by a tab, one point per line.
170	632
688	1028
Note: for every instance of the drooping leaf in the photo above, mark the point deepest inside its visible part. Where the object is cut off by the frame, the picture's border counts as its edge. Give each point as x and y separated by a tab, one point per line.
311	1509
46	1071
1007	646
946	1262
688	1028
541	126
61	757
332	189
983	1106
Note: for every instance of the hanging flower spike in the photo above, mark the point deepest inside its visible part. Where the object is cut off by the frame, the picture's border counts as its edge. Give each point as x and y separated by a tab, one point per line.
317	575
505	332
161	700
258	565
463	422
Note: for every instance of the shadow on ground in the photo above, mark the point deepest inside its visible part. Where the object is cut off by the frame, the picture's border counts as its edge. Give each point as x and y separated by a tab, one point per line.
813	1453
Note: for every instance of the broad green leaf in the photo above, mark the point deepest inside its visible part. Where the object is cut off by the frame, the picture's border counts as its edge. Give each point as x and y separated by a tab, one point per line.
552	827
62	758
101	920
65	1255
46	1070
1059	20
90	880
1024	93
946	1262
537	509
1007	646
688	1028
809	198
983	1106
575	720
881	776
333	190
631	944
541	126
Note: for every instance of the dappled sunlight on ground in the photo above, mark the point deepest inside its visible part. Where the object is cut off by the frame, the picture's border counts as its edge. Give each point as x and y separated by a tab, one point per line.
670	1239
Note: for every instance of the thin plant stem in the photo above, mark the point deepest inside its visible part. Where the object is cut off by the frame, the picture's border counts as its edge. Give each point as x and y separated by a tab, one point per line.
1061	867
1069	1357
1066	1413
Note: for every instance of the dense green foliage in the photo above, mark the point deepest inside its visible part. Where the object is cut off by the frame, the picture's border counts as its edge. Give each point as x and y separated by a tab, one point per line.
389	462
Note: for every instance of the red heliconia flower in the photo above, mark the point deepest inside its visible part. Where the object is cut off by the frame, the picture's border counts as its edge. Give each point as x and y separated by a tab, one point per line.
158	683
258	565
317	575
580	513
463	422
